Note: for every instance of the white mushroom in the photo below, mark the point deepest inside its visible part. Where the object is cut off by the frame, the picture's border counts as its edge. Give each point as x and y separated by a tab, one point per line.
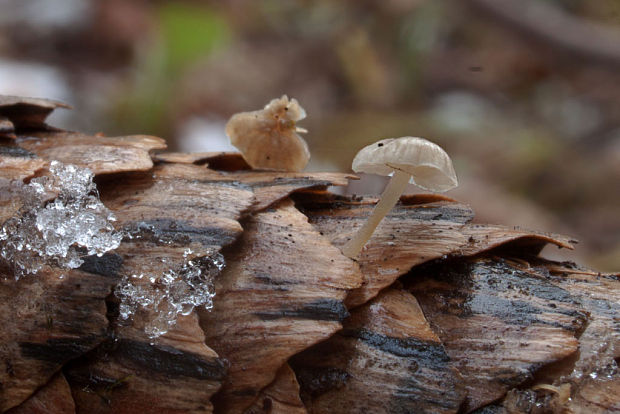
409	159
268	138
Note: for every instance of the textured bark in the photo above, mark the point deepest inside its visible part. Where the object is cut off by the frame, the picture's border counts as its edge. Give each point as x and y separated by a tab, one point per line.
47	320
490	315
417	230
279	397
385	360
221	161
269	187
597	397
177	205
166	212
27	113
53	398
599	344
282	291
102	155
449	315
594	380
131	372
588	382
176	373
16	163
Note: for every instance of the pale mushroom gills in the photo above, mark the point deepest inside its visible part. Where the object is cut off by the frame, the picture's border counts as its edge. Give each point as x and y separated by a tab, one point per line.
268	138
409	160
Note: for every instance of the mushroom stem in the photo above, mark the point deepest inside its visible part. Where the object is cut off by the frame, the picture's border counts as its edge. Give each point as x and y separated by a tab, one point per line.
388	200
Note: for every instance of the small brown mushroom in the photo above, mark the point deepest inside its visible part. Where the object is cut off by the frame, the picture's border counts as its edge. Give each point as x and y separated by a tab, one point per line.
268	138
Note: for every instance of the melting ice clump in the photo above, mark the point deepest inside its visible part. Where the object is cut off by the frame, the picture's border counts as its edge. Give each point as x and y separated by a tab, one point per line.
59	221
161	298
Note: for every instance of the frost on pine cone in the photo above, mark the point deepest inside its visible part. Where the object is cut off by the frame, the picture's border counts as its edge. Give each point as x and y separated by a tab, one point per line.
259	312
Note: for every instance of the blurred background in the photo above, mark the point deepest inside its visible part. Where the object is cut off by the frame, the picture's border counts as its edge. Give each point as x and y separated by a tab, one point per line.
524	95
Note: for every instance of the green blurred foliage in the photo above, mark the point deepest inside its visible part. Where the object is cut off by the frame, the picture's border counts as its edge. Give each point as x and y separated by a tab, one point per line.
186	33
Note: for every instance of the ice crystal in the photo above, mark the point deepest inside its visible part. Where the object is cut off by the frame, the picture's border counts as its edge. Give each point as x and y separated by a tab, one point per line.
60	220
177	291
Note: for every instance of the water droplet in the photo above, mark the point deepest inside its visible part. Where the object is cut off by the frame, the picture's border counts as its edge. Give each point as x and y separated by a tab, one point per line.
59	232
176	291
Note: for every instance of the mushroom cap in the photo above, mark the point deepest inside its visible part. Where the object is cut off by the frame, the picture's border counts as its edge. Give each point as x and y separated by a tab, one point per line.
268	138
428	164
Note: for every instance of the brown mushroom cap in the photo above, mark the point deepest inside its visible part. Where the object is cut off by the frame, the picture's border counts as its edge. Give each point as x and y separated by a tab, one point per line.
268	138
